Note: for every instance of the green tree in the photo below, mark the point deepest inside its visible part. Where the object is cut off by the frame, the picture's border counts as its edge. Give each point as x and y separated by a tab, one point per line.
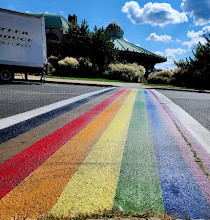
202	57
78	40
196	71
102	49
96	47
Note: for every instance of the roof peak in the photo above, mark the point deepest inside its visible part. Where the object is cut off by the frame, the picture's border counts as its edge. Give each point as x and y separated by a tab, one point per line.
114	29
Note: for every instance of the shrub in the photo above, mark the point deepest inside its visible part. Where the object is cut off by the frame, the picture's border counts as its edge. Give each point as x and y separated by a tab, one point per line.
49	68
85	68
53	71
162	77
85	61
121	72
176	70
53	60
68	66
52	65
125	72
69	62
159	80
140	71
165	73
180	77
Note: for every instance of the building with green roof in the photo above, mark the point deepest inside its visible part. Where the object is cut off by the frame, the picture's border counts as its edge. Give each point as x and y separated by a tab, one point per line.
55	26
131	52
52	20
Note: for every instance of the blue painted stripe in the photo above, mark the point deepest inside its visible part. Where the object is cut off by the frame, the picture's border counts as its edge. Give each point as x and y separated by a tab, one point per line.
181	193
20	128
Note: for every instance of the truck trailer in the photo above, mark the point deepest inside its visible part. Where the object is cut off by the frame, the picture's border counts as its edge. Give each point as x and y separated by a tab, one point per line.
22	44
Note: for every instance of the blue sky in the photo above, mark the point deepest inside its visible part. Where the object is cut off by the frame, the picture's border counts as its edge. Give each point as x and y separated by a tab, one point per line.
169	27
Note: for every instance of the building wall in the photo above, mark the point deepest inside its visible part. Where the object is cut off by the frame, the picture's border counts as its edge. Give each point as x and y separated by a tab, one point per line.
54	44
55	38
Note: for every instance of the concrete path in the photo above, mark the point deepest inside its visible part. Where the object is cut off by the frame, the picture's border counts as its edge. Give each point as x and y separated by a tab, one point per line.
81	82
127	147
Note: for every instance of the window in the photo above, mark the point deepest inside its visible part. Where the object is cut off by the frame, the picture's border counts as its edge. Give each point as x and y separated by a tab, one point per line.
52	36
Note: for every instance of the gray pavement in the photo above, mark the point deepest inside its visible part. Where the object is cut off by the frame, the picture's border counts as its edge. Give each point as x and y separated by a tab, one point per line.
21	97
122	156
195	104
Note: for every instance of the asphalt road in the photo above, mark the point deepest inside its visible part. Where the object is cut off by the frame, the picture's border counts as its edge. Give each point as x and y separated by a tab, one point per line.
21	97
120	147
195	104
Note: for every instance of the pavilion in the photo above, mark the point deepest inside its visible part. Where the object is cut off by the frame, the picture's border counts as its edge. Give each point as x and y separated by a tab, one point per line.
131	52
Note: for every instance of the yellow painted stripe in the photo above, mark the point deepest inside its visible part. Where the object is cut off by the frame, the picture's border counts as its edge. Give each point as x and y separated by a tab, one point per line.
37	194
93	186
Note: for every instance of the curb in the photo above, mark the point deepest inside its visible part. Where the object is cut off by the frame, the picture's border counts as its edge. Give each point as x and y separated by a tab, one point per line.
107	84
179	89
38	82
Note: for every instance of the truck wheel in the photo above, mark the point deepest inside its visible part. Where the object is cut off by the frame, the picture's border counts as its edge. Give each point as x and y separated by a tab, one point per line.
6	76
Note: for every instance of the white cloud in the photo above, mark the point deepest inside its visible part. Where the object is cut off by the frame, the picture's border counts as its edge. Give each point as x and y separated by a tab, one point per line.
159	53
155	14
199	10
61	12
172	52
196	37
162	38
168	65
177	40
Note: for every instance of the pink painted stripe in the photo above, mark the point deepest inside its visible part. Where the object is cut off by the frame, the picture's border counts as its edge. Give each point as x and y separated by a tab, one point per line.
185	150
202	153
17	168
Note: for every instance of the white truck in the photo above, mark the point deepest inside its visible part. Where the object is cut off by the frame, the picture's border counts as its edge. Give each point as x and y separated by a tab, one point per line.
22	44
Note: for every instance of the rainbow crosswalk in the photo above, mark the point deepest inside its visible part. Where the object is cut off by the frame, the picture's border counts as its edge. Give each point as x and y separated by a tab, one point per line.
127	150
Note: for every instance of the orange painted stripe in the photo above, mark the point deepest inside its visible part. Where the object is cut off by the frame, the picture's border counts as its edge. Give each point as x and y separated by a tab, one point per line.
18	167
37	194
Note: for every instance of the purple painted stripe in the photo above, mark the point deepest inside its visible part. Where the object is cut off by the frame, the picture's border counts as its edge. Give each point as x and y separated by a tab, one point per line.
200	150
185	150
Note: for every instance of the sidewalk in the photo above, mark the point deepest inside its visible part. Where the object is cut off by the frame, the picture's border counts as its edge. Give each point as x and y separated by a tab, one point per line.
79	82
106	84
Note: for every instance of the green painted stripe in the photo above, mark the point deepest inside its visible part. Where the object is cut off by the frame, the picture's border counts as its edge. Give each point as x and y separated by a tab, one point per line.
138	186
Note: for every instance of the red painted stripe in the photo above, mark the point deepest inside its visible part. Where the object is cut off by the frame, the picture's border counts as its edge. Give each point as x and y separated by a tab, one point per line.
17	168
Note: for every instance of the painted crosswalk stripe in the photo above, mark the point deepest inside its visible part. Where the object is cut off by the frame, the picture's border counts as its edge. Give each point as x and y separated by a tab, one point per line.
44	186
93	186
198	131
138	187
15	119
23	122
181	193
17	168
185	149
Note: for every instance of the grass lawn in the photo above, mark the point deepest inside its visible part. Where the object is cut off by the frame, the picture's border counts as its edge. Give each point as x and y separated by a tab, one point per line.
151	84
167	86
87	79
